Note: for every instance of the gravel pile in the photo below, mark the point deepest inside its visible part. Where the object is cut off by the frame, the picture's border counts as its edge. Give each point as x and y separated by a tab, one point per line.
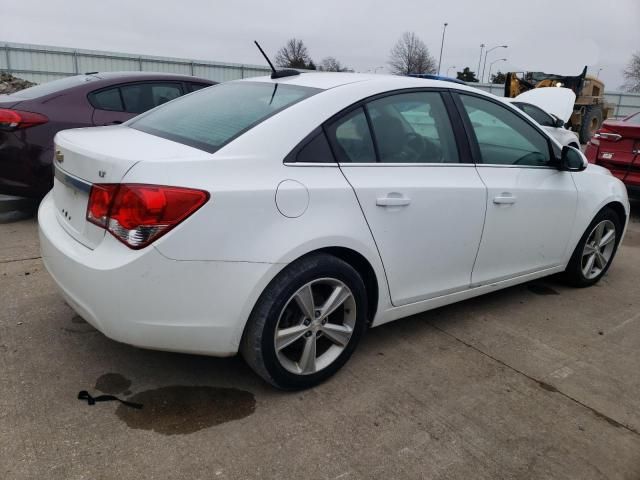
10	84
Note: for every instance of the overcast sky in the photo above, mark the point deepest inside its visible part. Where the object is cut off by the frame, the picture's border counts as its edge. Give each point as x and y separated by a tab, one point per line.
556	36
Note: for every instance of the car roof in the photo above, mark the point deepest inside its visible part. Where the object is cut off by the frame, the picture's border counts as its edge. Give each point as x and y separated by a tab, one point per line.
328	80
135	75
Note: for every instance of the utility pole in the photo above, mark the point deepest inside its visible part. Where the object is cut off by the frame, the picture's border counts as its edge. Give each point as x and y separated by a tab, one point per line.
480	60
484	67
442	46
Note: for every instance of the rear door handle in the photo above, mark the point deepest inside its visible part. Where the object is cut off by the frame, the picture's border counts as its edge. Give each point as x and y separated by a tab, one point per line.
504	199
399	201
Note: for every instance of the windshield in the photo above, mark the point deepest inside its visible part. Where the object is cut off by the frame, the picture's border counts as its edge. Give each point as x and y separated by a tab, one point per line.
210	118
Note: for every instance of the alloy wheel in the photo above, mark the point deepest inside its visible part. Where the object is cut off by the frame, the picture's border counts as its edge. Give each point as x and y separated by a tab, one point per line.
315	326
598	249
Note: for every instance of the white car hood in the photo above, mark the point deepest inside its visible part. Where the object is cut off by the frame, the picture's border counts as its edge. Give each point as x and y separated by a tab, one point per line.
555	100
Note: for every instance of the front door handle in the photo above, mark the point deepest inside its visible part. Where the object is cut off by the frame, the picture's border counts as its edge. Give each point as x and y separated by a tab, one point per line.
504	199
393	201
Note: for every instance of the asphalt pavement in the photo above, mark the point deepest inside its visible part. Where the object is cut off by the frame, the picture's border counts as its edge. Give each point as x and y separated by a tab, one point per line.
537	381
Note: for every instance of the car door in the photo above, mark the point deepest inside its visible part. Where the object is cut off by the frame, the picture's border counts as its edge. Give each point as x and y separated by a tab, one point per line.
531	205
422	198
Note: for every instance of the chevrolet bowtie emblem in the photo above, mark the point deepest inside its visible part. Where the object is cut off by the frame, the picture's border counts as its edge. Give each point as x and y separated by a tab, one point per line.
59	156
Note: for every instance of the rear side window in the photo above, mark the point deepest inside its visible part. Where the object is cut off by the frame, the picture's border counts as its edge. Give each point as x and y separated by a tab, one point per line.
351	138
315	150
212	117
141	97
107	100
413	128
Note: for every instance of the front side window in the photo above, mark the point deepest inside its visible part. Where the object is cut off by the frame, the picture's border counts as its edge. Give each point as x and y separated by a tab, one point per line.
210	118
413	128
503	137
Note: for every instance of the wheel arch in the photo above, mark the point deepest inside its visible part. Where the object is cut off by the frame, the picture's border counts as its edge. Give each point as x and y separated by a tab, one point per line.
364	269
617	207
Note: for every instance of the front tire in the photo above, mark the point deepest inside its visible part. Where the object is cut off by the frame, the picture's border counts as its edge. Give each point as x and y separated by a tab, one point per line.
596	249
307	322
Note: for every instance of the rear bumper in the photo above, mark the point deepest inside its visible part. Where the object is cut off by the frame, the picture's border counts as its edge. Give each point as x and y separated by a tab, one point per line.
628	173
145	299
25	169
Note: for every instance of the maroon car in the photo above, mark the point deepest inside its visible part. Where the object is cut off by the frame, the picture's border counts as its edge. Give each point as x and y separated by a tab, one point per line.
616	146
30	118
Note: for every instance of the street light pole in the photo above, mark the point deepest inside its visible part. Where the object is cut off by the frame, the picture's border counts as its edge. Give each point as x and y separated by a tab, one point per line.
442	46
491	66
452	66
480	59
484	67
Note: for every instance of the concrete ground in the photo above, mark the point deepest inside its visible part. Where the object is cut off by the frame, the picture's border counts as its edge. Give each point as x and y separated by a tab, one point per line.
537	381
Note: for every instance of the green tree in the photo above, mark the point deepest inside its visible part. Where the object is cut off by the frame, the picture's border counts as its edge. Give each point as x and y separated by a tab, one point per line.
499	78
466	75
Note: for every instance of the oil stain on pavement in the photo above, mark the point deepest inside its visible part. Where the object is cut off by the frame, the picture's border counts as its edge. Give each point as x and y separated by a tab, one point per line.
112	383
183	409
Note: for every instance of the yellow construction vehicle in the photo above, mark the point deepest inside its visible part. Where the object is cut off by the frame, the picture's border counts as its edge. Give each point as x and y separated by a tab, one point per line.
590	109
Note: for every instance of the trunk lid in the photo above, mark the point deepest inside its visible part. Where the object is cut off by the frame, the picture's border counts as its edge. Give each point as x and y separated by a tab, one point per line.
9	101
620	156
86	156
558	101
624	128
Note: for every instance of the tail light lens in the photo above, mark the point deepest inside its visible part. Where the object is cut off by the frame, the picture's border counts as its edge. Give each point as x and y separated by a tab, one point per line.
16	119
137	214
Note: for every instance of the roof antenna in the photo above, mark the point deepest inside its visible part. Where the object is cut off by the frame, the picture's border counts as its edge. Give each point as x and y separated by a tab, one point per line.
276	73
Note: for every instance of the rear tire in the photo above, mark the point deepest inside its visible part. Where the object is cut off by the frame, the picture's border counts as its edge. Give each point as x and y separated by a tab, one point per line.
591	122
596	249
307	322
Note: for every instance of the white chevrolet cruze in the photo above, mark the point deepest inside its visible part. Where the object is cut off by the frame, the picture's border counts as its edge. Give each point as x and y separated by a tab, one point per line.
282	217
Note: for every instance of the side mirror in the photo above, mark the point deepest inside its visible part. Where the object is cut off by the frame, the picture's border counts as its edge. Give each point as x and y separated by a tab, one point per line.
572	160
558	123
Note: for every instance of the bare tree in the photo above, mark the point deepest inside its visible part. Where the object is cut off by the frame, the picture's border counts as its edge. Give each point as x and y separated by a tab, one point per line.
411	55
294	54
331	64
632	74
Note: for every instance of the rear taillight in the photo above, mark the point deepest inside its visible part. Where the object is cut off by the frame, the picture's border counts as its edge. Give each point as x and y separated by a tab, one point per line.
138	214
16	119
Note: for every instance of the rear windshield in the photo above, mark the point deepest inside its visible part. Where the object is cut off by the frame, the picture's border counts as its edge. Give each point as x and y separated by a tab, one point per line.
634	119
53	87
210	118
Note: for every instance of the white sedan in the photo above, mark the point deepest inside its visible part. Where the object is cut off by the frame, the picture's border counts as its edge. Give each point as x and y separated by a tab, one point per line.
282	217
552	108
